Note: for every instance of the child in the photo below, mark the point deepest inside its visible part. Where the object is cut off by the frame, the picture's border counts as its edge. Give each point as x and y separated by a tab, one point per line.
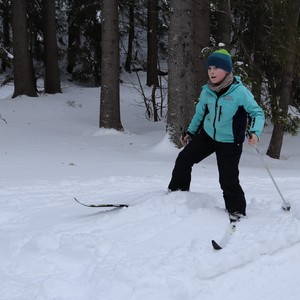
218	126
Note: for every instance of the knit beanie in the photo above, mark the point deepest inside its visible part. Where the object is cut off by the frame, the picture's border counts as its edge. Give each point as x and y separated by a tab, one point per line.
220	59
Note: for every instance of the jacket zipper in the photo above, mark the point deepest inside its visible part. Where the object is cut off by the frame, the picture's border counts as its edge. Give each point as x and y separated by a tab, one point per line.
216	113
220	113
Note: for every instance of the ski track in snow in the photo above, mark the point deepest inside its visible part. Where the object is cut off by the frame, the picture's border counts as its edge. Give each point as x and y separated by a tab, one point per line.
158	248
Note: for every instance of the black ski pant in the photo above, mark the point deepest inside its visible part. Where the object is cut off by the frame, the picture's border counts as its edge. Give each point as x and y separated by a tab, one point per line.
228	157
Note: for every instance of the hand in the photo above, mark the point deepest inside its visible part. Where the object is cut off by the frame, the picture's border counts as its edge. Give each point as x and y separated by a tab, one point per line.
253	139
185	140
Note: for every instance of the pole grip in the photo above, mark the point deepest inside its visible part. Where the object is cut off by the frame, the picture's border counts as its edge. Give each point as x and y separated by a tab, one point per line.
248	134
183	132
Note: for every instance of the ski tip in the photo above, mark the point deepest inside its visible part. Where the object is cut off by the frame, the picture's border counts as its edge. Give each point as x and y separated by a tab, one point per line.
215	245
77	200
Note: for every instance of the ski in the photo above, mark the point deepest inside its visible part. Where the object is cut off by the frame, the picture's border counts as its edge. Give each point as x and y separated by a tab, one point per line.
101	205
230	230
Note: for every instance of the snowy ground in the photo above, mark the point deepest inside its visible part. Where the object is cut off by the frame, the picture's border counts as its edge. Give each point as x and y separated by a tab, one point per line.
160	246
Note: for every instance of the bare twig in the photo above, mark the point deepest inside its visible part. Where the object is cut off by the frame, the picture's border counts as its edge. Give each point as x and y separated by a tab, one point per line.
3	119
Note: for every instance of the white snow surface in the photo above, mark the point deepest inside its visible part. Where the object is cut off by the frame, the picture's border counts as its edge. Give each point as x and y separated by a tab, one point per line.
159	248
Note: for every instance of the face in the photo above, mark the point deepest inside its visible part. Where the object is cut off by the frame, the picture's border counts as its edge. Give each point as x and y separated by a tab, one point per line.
215	74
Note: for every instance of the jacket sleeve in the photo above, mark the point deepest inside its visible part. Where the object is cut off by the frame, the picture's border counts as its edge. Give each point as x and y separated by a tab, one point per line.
198	116
255	112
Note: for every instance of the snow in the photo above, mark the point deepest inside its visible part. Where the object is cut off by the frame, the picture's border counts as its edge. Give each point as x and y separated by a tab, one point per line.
160	246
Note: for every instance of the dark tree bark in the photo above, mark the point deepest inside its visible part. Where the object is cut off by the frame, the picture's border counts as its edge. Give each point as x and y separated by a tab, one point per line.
152	40
201	19
258	49
181	68
292	18
224	22
5	8
73	35
110	67
24	80
51	80
130	37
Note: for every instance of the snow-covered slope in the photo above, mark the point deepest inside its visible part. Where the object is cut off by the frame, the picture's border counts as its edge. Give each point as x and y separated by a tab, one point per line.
157	248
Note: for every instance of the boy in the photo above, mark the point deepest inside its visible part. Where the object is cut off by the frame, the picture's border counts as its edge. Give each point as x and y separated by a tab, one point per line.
218	126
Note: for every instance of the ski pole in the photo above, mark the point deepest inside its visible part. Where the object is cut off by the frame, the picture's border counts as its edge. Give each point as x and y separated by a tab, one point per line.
286	206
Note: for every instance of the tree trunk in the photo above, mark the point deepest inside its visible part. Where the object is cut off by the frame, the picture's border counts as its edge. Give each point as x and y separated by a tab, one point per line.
5	25
152	43
73	35
201	19
24	81
51	80
130	37
258	49
292	17
224	22
110	64
181	68
96	43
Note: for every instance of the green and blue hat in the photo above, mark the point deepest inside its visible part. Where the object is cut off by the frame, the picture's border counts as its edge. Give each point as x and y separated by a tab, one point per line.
220	59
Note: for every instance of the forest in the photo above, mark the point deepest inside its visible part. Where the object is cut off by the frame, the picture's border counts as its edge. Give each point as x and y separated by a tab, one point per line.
92	43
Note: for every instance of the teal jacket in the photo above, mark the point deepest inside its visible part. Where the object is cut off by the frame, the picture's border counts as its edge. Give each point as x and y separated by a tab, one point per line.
225	118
